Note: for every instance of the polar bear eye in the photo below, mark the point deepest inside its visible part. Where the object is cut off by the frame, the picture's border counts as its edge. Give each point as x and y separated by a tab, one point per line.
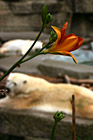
14	83
37	49
25	82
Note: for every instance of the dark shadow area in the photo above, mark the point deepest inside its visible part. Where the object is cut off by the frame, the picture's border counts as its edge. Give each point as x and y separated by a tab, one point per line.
10	137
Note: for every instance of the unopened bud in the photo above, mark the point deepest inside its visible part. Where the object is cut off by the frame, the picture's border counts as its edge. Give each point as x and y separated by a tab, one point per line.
49	18
44	13
53	36
58	116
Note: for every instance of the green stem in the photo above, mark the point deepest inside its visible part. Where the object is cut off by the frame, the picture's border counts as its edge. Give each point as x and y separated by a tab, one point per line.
38	53
19	61
53	130
31	57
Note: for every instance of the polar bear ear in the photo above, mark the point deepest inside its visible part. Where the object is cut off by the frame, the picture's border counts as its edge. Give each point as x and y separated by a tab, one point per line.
25	81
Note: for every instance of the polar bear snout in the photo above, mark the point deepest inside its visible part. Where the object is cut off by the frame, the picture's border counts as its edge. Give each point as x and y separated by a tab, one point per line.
10	86
8	90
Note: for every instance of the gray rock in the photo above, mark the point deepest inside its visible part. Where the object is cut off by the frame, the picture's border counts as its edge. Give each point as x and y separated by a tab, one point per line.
35	125
4	8
22	7
49	65
32	138
83	6
30	7
6	36
55	68
25	15
10	22
28	67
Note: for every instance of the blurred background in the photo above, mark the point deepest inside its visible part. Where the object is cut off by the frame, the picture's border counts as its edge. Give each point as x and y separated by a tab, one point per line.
21	19
25	15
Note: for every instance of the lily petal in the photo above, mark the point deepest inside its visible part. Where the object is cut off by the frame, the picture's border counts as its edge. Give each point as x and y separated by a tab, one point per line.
67	54
64	29
58	32
79	43
67	45
72	34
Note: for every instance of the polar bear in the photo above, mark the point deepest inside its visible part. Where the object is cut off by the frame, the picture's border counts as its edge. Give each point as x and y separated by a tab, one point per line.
19	46
31	92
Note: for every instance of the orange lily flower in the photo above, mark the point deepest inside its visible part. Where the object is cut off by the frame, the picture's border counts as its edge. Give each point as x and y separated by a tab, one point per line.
65	43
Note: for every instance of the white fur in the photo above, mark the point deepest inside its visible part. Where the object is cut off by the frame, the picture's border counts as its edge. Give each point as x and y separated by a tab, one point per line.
37	83
37	93
19	46
4	100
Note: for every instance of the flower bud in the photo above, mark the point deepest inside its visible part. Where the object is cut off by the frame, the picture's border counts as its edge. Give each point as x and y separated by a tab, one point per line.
49	18
58	116
53	36
44	13
52	33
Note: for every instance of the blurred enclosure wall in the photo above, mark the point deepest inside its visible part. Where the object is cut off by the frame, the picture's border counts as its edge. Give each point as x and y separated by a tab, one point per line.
25	15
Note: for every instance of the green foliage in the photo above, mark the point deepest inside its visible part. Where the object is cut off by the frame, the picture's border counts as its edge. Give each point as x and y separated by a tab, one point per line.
46	17
58	116
44	13
49	18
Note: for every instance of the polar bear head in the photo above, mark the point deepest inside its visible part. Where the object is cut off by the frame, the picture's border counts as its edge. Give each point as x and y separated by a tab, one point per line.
17	83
